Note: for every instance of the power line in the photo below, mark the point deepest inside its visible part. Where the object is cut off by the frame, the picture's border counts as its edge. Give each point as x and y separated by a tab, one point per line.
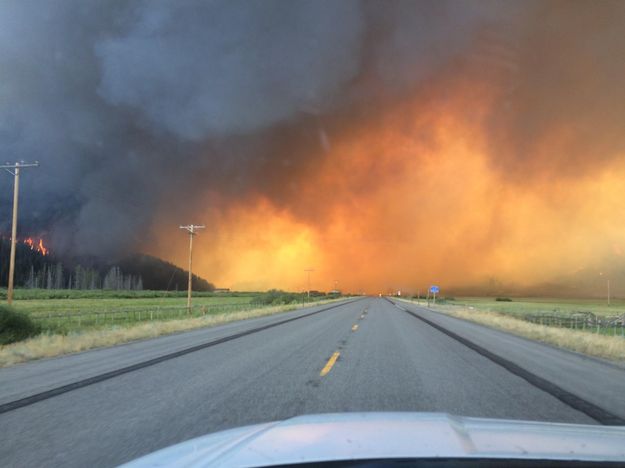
16	188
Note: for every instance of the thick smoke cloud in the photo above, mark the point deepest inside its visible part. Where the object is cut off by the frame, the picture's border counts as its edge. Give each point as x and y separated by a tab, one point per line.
150	113
199	69
123	102
564	83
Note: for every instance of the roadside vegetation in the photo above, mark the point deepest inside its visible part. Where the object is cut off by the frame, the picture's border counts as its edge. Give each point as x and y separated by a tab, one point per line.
526	305
277	297
81	310
47	326
605	342
15	326
41	307
39	294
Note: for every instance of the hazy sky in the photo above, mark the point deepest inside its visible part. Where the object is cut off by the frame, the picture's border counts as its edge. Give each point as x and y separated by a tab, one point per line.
382	143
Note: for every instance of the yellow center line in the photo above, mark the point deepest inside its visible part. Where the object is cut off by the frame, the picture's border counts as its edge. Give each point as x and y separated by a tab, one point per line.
329	364
355	327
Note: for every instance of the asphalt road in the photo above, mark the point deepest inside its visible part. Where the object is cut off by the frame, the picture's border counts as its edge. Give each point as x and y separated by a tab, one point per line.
364	355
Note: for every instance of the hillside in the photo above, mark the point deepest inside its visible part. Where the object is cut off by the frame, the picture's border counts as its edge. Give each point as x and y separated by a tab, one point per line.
158	274
38	267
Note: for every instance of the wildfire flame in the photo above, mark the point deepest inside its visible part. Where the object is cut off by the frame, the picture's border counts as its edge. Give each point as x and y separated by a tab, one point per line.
37	246
41	248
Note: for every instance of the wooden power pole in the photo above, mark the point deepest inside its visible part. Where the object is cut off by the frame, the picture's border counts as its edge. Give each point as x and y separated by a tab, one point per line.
191	228
308	270
16	190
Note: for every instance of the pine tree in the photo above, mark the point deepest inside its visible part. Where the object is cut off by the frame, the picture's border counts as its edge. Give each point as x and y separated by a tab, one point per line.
111	280
40	278
94	279
78	277
58	276
31	278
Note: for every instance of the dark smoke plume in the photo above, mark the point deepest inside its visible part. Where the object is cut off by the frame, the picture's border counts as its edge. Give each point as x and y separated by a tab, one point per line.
138	109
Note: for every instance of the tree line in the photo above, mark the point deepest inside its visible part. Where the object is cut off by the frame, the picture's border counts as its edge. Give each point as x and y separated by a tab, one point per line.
53	276
33	269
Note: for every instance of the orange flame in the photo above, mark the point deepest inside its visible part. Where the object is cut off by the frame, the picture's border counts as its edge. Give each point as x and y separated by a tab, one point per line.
38	247
41	248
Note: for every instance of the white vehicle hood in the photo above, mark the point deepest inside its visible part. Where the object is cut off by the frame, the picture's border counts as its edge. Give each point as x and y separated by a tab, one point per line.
367	436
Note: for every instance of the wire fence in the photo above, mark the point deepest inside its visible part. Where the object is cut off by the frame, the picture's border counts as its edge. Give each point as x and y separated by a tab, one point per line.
586	321
56	321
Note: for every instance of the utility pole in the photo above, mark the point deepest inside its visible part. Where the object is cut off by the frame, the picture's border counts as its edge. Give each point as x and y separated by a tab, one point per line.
191	228
16	189
308	270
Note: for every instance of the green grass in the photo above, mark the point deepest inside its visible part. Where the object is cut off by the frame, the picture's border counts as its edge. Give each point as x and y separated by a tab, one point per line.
15	326
39	294
77	312
67	311
553	312
55	344
526	305
40	307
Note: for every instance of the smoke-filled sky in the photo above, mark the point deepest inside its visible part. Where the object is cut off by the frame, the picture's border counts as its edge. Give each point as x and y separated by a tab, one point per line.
385	144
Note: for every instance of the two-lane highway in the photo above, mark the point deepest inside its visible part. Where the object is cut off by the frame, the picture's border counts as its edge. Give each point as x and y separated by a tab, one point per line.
363	355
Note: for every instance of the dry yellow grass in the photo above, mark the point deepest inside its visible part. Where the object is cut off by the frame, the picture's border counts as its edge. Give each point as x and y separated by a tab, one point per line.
43	346
608	347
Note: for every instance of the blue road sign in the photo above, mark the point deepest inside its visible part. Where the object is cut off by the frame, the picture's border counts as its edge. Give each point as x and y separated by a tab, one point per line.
434	289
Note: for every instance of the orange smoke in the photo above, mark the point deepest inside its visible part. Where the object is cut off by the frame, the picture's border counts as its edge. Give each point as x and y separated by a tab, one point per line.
411	197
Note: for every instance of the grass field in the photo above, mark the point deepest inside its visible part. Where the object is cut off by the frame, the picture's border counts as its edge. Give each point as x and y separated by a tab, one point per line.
56	344
40	307
41	294
589	315
608	343
66	311
522	306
